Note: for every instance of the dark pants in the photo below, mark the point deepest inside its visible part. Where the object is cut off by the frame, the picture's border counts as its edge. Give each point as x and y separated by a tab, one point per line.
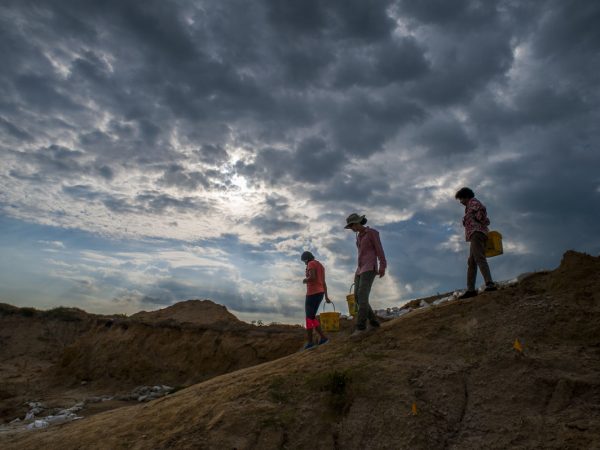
362	289
477	259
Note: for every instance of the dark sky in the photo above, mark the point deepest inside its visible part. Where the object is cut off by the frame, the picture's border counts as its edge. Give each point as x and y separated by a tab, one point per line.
157	151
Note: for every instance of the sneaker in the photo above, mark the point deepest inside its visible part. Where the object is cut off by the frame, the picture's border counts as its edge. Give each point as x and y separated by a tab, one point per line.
358	332
491	287
323	341
309	345
468	294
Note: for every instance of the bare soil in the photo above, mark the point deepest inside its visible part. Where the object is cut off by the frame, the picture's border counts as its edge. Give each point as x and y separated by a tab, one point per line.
198	312
447	376
65	356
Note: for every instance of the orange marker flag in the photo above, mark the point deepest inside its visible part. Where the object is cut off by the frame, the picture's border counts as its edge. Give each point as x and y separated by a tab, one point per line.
414	409
517	346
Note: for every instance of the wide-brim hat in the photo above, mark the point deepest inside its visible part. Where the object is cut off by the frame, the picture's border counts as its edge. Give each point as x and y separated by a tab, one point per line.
353	219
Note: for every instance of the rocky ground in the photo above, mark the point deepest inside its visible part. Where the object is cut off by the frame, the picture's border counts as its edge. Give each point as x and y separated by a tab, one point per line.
516	368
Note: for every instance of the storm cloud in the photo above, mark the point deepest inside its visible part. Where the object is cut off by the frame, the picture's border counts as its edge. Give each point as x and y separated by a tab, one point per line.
266	123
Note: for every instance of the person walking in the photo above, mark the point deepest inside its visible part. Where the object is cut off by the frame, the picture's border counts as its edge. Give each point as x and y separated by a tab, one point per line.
476	224
370	251
316	289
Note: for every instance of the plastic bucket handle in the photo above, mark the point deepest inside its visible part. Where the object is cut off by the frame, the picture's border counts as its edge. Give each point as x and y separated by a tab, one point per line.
324	303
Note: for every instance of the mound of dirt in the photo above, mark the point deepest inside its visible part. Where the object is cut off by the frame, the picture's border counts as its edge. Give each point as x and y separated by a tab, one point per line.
65	353
197	312
576	272
31	341
124	353
447	376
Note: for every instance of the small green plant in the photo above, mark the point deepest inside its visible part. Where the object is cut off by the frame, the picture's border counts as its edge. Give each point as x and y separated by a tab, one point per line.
338	384
278	391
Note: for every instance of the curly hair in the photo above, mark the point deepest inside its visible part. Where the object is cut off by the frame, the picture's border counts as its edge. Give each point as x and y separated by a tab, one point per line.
307	256
464	193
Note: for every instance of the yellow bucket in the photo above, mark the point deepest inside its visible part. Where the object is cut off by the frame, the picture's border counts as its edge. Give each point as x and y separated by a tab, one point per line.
493	245
352	305
330	321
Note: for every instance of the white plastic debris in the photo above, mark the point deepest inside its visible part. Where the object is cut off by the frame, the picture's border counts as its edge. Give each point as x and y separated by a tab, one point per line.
104	398
37	424
60	418
147	393
442	300
36	409
73	409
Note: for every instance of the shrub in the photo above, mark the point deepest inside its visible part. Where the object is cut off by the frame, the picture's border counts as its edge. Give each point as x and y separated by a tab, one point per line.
65	314
27	312
338	384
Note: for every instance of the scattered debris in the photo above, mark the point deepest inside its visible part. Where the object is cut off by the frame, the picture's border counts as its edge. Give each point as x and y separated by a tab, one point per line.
34	420
390	313
414	304
147	393
103	398
36	424
36	408
39	416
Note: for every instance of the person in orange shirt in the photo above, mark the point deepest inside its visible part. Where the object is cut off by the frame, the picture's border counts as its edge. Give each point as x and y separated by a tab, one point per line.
316	289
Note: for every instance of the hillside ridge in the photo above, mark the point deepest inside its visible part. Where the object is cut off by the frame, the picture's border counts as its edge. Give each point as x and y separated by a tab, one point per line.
447	376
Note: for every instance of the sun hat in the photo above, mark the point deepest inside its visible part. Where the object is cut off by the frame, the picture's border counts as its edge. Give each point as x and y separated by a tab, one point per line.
355	218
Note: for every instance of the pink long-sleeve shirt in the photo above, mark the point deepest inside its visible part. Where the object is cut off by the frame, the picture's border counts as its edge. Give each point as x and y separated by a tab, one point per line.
369	251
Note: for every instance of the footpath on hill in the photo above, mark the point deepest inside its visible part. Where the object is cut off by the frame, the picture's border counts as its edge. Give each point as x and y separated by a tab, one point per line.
517	368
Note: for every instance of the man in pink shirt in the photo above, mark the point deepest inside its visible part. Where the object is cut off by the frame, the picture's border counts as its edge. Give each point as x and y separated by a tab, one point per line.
476	224
370	251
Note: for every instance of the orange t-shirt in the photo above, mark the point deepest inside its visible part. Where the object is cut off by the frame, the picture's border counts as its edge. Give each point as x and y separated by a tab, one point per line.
317	285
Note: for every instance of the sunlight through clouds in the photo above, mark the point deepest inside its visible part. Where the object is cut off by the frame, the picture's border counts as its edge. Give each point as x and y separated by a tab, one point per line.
197	148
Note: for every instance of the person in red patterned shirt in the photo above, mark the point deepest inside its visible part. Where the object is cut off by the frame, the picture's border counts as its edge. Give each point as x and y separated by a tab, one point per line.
476	224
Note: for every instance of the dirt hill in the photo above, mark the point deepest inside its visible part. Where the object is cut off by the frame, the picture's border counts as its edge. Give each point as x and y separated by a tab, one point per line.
127	353
448	376
66	355
198	312
31	341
